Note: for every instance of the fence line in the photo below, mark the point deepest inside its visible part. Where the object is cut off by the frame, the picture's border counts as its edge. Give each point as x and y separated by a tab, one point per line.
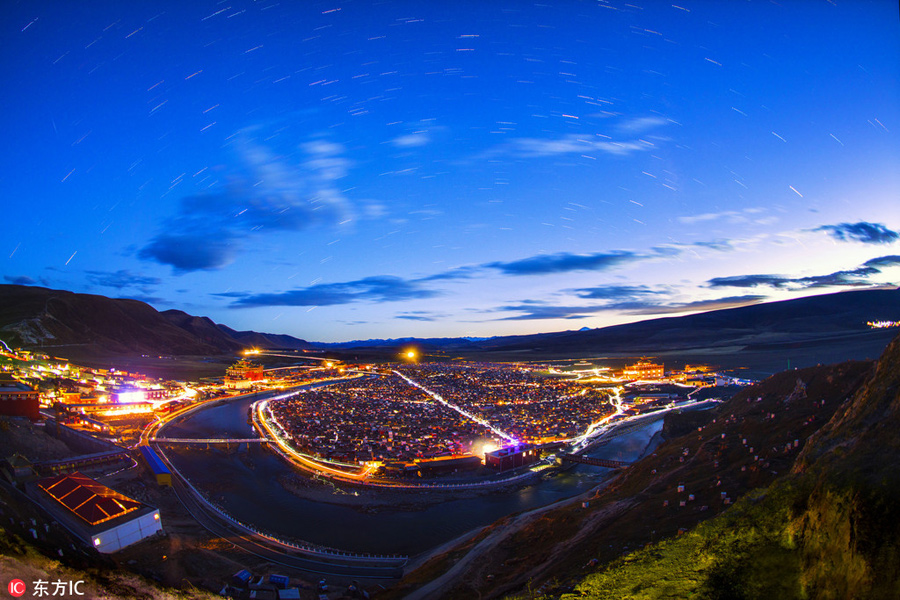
307	548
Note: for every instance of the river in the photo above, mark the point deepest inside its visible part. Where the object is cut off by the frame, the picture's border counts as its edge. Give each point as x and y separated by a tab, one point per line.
246	485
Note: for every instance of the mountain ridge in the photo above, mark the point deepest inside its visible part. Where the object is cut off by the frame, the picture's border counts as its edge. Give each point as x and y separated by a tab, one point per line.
67	322
825	328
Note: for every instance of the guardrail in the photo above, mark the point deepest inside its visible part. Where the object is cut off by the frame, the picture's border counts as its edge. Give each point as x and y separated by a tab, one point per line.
319	551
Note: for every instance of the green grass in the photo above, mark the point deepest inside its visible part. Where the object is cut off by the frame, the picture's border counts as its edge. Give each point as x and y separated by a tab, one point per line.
747	552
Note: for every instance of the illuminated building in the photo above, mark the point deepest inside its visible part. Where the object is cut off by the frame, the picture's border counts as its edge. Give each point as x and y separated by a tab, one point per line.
511	457
70	397
643	370
156	394
104	409
129	395
242	374
18	399
102	517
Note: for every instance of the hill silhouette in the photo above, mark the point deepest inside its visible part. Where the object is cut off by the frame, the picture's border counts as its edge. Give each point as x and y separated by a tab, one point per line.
69	324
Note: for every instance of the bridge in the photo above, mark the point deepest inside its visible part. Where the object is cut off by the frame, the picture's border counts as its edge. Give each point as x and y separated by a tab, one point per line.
597	462
210	440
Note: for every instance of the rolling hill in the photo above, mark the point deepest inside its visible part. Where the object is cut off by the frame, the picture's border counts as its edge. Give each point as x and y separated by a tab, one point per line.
65	323
761	339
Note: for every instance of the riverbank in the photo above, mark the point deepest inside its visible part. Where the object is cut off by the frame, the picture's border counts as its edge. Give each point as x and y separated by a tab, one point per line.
335	475
371	499
259	488
431	570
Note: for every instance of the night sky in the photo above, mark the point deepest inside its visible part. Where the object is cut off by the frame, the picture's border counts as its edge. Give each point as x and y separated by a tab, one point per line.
348	170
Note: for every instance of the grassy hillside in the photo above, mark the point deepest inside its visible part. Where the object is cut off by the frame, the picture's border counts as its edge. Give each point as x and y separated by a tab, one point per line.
19	560
830	529
750	551
745	444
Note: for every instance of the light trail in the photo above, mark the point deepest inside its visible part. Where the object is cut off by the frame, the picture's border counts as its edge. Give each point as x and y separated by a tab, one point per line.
592	428
309	462
458	409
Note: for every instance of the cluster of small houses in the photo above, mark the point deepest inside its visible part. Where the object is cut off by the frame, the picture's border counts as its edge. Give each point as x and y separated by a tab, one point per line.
244	586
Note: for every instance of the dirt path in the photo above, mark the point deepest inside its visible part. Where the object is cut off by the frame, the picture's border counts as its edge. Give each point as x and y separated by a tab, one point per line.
490	542
485	546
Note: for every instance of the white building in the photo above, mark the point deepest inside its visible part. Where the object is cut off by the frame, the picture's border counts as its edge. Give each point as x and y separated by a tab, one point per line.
102	517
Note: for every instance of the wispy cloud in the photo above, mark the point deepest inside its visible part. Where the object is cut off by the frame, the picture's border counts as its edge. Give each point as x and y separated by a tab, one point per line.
699	305
867	233
639	125
383	288
419	315
883	261
848	278
121	279
19	280
537	310
389	288
418	133
617	293
534	310
564	262
465	272
747	215
411	140
208	230
629	133
674	249
574	144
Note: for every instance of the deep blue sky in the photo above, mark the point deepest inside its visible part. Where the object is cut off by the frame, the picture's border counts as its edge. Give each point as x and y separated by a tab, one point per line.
346	170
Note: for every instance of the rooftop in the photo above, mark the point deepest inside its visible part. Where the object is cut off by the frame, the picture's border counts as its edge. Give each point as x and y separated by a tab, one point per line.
92	501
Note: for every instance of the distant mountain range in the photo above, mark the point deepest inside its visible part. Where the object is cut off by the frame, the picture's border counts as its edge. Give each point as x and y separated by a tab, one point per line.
63	322
760	339
788	322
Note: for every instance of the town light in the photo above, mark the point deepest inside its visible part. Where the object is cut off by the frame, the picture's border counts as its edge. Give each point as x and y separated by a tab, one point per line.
131	397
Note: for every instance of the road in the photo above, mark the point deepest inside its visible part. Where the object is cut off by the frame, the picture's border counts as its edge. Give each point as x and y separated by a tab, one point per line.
257	546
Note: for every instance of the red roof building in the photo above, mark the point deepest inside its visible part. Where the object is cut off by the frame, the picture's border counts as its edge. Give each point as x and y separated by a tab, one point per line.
18	399
90	500
102	517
